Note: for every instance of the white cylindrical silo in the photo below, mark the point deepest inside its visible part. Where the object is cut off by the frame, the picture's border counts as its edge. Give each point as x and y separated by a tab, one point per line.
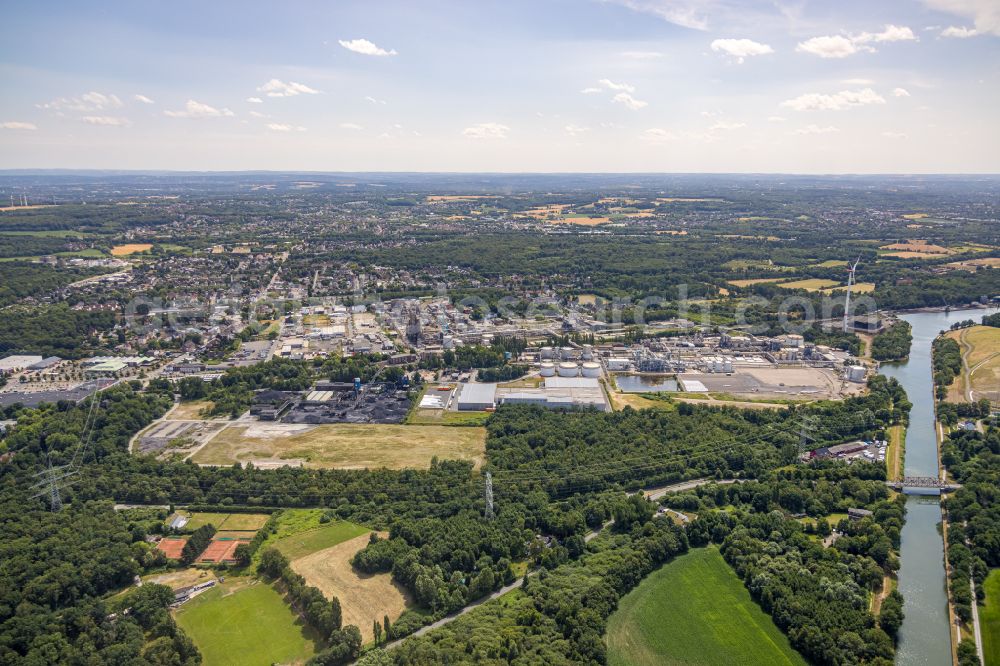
567	369
591	369
548	369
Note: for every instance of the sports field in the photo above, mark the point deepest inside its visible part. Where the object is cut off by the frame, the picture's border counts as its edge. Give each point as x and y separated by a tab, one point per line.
244	623
171	547
695	610
345	445
221	550
324	536
989	619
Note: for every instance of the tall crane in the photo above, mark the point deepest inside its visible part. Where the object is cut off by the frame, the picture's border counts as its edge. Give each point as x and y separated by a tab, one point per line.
847	300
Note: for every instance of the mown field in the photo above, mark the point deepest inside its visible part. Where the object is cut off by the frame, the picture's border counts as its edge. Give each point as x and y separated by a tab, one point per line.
325	536
346	445
695	610
989	620
240	623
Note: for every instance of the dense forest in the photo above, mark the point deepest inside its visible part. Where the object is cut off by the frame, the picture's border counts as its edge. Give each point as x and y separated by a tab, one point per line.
53	330
893	344
21	279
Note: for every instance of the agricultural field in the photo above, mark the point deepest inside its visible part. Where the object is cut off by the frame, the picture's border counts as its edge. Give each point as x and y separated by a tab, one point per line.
811	284
747	283
694	610
242	522
363	598
245	623
345	445
582	221
981	368
130	248
989	619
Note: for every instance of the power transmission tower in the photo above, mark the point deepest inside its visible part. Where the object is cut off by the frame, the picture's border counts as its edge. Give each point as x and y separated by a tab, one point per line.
488	493
806	429
52	480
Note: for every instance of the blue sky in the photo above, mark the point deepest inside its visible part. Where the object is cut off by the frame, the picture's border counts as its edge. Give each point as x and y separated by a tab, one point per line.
543	85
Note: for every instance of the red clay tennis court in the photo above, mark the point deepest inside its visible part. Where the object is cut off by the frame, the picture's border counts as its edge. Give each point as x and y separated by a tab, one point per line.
221	550
172	547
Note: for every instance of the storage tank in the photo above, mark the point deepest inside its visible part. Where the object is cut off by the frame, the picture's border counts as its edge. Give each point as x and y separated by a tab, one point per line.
795	340
856	373
591	369
588	353
567	369
727	365
547	352
548	369
566	353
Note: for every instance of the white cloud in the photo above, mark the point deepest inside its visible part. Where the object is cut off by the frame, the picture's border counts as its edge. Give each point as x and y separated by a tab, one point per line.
193	109
574	130
776	119
350	126
741	49
816	129
894	135
283	127
642	55
845	99
891	33
611	85
900	92
279	88
657	135
92	101
369	98
724	125
985	14
828	46
629	101
858	82
959	32
591	91
685	13
258	114
255	100
364	47
17	125
486	131
107	121
839	46
142	98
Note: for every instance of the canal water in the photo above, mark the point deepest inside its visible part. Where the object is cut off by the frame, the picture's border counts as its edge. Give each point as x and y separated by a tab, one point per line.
925	637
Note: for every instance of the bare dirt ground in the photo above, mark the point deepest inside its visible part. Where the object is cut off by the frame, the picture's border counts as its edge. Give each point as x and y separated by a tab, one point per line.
181	578
363	598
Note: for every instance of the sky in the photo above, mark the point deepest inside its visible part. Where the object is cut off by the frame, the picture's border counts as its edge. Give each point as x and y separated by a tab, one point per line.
790	86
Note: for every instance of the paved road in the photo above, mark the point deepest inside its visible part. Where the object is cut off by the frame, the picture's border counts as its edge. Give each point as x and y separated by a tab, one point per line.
976	631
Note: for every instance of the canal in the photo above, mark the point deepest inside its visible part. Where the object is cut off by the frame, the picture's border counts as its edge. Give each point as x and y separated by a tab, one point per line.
925	635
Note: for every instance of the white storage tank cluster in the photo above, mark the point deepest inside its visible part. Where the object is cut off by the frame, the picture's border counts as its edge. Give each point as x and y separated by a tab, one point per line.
856	373
568	369
591	369
548	369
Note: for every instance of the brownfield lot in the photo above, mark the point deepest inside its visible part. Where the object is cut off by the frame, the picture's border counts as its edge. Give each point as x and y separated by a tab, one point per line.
345	445
187	411
363	597
181	578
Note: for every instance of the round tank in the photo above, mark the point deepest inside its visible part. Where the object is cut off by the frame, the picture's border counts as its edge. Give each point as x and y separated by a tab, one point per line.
548	369
566	353
568	369
588	353
546	352
591	369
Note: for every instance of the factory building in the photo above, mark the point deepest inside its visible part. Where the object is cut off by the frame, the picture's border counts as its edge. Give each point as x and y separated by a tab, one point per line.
477	397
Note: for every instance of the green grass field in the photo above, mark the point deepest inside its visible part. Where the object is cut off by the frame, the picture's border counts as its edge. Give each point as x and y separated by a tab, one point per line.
304	543
989	620
246	625
695	610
